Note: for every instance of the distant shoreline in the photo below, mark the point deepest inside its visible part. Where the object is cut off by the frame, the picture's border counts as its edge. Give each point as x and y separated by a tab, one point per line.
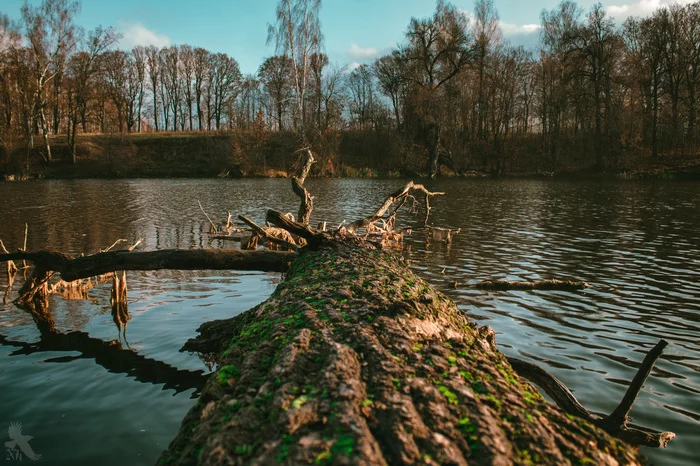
271	154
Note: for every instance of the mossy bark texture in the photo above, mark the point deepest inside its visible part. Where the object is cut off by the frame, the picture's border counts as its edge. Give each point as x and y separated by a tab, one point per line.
355	360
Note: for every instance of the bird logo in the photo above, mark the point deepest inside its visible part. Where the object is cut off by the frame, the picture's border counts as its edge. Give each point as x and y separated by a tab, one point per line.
19	444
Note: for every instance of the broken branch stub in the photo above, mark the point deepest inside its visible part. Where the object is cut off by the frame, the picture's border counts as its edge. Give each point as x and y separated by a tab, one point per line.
307	200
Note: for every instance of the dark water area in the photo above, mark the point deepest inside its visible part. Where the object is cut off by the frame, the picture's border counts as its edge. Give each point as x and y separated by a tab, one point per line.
86	400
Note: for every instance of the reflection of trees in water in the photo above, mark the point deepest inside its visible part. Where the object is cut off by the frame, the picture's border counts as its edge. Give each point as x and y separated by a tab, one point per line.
109	354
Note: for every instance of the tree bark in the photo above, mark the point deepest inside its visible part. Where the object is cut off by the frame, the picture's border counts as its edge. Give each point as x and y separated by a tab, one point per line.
355	360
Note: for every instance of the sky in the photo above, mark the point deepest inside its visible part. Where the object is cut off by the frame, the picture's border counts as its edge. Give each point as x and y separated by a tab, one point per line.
356	31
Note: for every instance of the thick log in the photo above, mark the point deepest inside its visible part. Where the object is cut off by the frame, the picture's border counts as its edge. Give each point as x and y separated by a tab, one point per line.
355	360
174	259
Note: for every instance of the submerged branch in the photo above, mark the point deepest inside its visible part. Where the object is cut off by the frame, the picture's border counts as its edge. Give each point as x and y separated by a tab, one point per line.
505	285
616	423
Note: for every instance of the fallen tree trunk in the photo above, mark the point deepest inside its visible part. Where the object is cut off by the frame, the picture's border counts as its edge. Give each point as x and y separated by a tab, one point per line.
175	259
354	360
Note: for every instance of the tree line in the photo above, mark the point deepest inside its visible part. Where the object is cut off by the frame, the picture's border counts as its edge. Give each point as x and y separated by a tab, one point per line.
455	92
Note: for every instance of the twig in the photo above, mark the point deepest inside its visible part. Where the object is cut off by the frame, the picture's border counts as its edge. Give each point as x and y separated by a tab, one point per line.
113	244
24	248
133	246
213	227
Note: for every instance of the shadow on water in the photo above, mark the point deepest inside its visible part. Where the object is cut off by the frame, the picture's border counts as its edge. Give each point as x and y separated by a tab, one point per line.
109	354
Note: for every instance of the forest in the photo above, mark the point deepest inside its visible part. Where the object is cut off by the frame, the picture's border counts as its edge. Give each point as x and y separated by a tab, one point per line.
592	95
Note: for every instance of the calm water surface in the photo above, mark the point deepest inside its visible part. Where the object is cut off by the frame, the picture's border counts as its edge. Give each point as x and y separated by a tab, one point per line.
88	398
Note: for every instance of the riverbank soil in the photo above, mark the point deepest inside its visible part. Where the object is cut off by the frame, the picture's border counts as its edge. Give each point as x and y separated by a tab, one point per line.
355	360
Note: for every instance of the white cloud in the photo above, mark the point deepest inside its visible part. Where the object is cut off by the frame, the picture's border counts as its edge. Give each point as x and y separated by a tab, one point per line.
515	29
138	34
353	66
360	53
640	8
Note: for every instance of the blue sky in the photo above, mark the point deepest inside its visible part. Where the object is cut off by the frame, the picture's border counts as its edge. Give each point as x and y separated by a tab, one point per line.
356	31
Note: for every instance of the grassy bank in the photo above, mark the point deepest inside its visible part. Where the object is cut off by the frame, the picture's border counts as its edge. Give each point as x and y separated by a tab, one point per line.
272	154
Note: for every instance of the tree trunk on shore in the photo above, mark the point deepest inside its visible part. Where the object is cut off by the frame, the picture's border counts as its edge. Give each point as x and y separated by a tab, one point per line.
355	360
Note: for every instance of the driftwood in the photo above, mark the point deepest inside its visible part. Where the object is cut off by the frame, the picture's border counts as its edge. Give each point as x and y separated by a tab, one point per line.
505	285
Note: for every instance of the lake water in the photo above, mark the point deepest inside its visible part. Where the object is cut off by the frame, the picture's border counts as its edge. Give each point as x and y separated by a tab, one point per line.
87	401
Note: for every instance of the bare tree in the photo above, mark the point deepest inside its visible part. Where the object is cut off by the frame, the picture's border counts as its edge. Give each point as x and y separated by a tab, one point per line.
187	72
438	48
361	88
81	68
297	35
50	32
275	74
154	72
387	69
487	35
139	55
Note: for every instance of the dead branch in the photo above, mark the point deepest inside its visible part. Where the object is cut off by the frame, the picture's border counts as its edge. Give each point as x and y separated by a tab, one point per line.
505	285
277	236
213	228
307	200
312	237
616	423
24	248
135	245
399	195
70	268
617	420
11	273
113	244
443	235
236	235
